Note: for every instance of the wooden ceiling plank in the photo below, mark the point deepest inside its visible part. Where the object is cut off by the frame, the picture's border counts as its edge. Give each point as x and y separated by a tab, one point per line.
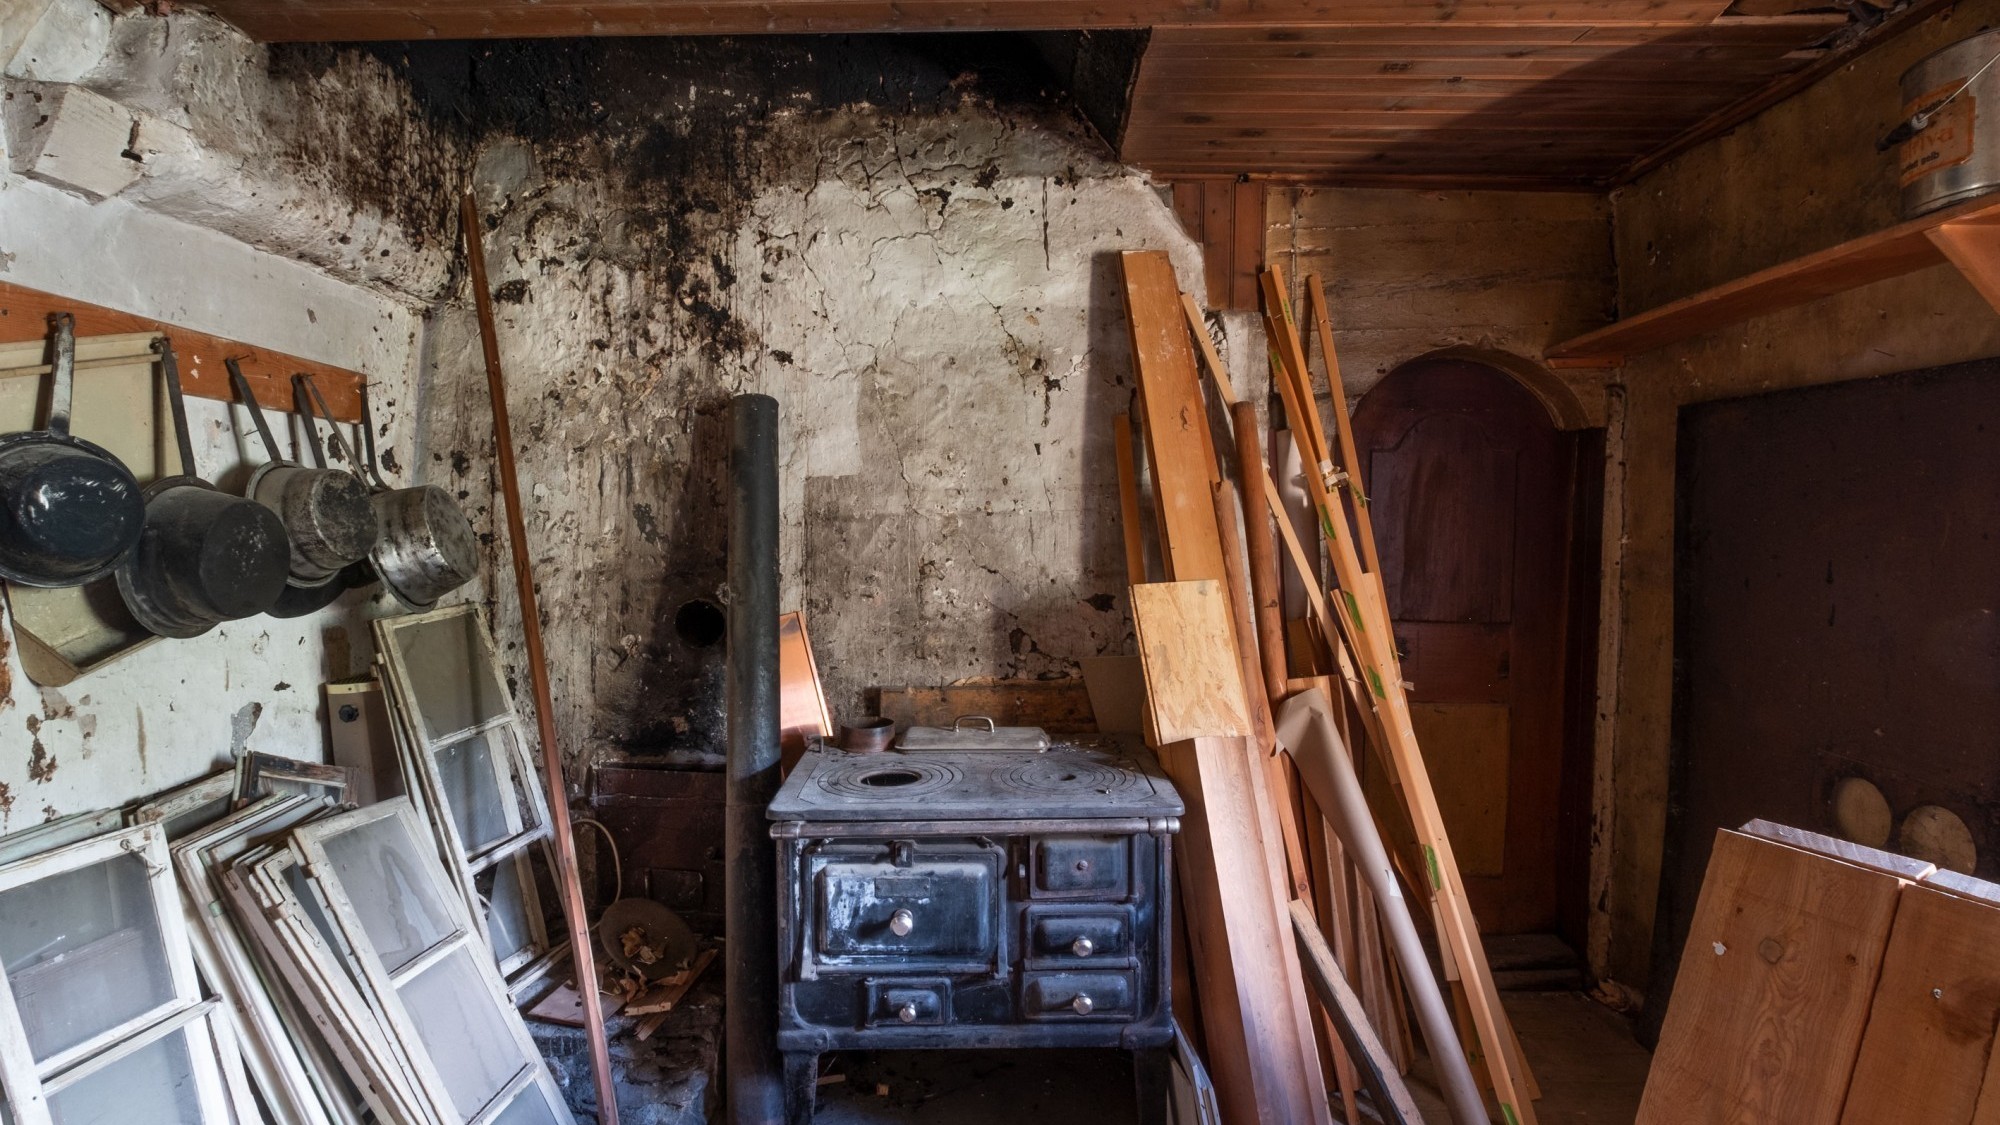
353	19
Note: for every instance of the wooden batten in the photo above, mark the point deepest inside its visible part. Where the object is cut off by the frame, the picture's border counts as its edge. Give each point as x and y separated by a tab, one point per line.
24	315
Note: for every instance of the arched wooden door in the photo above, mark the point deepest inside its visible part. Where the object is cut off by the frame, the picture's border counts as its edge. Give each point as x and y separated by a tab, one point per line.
1472	493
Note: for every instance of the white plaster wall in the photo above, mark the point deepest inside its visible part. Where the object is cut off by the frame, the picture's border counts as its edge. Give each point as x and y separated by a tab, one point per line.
934	301
176	709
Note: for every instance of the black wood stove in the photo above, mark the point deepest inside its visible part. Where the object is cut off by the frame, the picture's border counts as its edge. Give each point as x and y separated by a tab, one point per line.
953	898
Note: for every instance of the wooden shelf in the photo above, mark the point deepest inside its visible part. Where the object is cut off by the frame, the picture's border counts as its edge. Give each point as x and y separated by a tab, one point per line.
1967	235
24	315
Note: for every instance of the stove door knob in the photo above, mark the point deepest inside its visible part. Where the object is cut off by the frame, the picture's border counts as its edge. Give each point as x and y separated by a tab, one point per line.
908	1012
1082	1004
902	922
1083	947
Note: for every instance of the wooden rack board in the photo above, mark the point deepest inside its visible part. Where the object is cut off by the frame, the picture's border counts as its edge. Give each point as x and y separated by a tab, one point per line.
24	315
1962	235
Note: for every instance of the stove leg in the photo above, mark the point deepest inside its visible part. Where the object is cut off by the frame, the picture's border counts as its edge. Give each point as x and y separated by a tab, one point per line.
801	1086
1153	1084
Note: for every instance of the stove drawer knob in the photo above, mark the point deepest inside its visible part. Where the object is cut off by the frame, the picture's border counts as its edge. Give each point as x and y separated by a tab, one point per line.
908	1012
1083	947
1082	1004
902	922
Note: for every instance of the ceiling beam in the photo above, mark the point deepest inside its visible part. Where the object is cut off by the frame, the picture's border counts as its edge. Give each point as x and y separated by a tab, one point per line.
337	20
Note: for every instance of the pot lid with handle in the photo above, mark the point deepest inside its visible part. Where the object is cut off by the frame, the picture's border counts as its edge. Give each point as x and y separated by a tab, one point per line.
974	732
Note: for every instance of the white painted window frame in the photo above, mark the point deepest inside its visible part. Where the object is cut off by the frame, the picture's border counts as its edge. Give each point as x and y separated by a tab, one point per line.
278	1038
508	743
309	842
325	980
28	1084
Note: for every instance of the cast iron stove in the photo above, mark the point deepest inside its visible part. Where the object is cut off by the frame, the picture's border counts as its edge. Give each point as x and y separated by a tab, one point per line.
975	898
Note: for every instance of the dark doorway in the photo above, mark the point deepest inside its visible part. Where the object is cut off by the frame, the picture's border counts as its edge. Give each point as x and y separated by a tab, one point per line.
1487	516
1837	621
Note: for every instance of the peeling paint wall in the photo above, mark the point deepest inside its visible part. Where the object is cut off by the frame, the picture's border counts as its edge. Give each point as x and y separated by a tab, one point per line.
932	297
305	270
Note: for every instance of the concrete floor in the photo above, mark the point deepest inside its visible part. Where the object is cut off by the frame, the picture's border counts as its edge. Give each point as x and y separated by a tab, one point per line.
1590	1068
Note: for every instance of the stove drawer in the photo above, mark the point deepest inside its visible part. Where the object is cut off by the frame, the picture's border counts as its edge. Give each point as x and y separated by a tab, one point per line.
921	1002
1077	996
937	911
1083	866
1073	936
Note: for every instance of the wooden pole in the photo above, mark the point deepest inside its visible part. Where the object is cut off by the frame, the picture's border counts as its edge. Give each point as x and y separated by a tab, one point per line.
582	959
1128	499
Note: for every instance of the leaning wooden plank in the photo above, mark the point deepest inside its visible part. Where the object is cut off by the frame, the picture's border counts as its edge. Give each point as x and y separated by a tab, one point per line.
1128	499
1256	1023
1367	630
1378	1069
1250	995
1350	457
1930	1028
1767	1013
1179	452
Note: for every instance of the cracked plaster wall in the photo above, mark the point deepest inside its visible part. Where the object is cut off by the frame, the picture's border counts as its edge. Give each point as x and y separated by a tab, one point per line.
933	299
283	254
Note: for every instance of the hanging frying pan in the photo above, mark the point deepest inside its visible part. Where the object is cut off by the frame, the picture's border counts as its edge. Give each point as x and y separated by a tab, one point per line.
69	510
297	601
205	556
325	511
426	548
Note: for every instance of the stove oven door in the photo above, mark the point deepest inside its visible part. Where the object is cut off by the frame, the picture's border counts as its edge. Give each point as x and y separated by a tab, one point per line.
904	906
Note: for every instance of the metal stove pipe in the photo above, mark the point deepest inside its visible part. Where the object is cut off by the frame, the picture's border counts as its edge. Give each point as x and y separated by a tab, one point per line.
755	1086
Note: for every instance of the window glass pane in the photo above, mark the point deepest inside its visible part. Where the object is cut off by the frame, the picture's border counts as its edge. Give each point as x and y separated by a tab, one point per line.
464	1033
499	887
451	673
529	1107
472	792
387	876
197	818
83	952
151	1086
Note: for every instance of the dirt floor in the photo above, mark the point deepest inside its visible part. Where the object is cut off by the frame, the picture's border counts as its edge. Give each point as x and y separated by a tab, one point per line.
1591	1071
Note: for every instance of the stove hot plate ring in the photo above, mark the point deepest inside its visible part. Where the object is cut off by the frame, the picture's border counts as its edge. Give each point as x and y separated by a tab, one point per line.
1067	774
896	780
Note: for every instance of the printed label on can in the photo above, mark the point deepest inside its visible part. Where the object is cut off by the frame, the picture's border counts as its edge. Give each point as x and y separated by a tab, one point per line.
1946	142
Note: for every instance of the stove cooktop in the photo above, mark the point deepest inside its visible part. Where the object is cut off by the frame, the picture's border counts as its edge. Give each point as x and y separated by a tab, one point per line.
1101	776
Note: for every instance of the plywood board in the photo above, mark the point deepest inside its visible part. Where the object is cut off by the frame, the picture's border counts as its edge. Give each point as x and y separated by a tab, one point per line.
1194	681
1931	1027
1767	1014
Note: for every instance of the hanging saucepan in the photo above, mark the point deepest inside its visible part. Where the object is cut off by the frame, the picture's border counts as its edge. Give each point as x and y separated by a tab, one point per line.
426	549
326	511
297	601
69	511
205	556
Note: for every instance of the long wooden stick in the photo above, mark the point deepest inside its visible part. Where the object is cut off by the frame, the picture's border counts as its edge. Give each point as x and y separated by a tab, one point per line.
1128	499
1343	426
1369	634
583	962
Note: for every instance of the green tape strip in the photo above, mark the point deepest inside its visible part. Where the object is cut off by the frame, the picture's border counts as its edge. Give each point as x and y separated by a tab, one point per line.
1508	1111
1375	683
1326	526
1431	862
1354	611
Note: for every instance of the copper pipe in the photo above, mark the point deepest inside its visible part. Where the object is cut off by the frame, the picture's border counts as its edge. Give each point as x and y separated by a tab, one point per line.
1265	585
583	962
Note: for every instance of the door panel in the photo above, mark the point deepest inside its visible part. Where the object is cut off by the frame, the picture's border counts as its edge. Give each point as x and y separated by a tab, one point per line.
1470	488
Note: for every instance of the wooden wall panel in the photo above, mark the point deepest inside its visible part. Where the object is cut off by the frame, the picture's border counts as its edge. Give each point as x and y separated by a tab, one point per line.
1931	1028
1766	1019
1227	217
